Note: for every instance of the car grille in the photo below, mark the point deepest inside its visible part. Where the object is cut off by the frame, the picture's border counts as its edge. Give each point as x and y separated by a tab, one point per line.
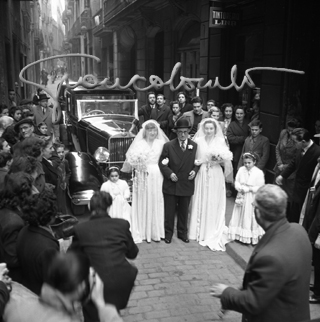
118	148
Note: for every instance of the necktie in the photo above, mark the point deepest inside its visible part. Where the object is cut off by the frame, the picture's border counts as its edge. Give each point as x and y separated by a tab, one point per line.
183	146
43	110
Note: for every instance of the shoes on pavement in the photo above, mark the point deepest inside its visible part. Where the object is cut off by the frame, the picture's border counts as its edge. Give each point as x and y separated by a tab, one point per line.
184	239
314	299
167	240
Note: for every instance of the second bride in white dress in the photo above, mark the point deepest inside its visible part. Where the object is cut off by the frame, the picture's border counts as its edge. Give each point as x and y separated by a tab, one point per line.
208	204
147	219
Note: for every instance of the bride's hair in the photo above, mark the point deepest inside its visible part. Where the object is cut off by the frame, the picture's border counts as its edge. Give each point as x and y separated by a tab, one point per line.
209	120
149	126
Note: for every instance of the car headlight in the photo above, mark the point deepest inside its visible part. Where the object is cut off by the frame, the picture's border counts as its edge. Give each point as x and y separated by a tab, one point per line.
102	154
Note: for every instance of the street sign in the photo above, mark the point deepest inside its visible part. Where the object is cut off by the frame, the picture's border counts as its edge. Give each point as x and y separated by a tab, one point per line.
220	18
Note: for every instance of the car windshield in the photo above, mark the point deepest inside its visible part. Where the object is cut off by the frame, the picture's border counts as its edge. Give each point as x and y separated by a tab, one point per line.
87	108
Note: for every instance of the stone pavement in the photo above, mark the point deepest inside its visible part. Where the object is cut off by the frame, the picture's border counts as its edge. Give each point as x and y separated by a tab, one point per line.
174	280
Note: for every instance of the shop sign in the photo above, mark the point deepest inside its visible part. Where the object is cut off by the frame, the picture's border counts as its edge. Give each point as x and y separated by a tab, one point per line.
223	19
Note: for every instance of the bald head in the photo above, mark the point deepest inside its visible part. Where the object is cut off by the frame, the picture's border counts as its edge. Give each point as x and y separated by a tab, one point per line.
272	202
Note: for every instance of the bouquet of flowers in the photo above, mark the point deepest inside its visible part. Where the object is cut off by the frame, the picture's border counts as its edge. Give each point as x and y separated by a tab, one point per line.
138	160
219	154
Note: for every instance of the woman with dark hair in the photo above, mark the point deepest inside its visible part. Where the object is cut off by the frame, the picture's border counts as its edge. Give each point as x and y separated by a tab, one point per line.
15	194
9	133
108	243
286	150
228	116
237	132
173	118
31	146
36	242
33	167
184	105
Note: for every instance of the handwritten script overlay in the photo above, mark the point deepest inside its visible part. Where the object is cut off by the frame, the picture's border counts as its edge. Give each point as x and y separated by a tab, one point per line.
189	84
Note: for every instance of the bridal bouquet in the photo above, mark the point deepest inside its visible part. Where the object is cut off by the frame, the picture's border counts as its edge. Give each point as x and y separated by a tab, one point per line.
138	160
219	154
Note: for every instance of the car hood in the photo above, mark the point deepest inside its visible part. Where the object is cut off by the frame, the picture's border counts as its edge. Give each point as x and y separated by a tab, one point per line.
112	125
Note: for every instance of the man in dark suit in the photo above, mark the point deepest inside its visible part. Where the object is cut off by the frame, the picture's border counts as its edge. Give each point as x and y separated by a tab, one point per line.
177	166
304	164
144	112
161	113
258	144
276	280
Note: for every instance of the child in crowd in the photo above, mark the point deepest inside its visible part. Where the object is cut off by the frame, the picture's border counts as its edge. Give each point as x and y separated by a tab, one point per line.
63	178
173	118
120	193
258	144
43	129
243	225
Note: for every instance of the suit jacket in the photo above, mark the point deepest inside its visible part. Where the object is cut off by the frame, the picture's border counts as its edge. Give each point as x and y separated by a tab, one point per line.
236	135
181	163
188	107
304	167
190	116
276	280
161	116
10	225
35	248
108	243
46	118
261	147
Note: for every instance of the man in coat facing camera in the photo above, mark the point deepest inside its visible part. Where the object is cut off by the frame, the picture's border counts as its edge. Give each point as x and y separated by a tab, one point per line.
276	281
177	166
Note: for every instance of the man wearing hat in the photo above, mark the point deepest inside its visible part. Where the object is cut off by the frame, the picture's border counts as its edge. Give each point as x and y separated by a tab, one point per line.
42	112
25	127
179	171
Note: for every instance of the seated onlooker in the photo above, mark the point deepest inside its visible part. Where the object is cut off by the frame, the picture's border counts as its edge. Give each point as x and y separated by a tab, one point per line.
108	243
5	162
36	243
173	118
69	281
16	193
258	144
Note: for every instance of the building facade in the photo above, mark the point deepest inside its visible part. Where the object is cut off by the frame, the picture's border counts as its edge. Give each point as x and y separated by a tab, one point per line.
148	37
27	33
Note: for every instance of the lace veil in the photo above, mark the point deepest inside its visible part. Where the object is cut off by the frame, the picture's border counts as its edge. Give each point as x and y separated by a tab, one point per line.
136	144
218	143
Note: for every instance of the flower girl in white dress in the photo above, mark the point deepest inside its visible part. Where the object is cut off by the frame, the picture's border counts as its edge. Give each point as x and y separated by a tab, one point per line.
243	225
120	193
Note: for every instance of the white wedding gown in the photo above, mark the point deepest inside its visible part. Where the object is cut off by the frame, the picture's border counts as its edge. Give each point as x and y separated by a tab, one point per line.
147	199
208	204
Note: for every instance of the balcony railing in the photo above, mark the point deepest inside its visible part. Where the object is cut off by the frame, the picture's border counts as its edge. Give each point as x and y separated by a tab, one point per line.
85	19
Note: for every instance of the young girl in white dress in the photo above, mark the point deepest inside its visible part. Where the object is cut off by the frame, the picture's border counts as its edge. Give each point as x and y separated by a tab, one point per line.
120	193
147	199
208	204
243	225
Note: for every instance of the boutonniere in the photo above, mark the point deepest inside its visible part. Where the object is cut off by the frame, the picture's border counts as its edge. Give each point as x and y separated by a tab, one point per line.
165	161
190	147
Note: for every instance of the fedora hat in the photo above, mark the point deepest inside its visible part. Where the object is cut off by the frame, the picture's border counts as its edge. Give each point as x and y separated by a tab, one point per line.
42	97
183	122
23	121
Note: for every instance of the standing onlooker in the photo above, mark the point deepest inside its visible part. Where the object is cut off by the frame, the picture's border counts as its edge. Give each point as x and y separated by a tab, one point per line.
237	133
303	164
36	243
227	116
286	150
196	115
184	105
4	146
144	112
210	104
4	110
317	132
208	205
15	194
43	113
120	193
108	243
177	164
215	114
161	113
258	144
249	179
276	281
147	199
9	133
12	97
5	162
173	118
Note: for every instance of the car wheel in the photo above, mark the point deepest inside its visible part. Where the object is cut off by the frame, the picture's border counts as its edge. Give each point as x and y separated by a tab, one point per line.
78	210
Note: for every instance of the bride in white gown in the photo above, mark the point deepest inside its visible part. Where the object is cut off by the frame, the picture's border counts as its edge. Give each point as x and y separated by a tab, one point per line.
147	219
208	204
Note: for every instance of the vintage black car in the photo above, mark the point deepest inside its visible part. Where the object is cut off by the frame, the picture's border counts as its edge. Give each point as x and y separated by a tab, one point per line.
98	122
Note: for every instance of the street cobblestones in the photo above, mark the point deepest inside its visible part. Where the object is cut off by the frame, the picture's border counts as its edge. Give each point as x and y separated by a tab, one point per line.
174	280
